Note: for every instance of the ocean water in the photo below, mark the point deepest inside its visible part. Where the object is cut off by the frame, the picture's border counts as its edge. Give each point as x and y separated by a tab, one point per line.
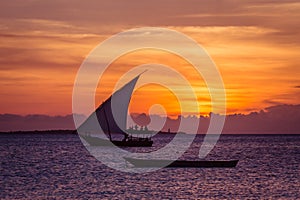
58	166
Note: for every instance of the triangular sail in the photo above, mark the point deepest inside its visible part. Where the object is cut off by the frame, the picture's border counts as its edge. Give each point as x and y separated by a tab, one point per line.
111	115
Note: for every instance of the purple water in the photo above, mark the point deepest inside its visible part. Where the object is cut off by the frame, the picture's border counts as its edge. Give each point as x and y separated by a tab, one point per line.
39	166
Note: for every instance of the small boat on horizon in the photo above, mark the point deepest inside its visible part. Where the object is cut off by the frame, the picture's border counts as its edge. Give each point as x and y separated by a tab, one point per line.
153	163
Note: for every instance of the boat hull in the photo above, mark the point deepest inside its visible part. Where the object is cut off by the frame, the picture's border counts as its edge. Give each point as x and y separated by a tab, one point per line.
94	141
143	163
133	143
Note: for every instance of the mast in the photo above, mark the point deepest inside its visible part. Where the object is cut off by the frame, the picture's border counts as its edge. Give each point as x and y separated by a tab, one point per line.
107	124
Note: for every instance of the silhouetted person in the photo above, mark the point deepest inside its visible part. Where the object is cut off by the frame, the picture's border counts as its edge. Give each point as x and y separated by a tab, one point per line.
125	137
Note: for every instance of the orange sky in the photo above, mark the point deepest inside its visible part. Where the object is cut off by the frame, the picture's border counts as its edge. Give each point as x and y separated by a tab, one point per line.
255	45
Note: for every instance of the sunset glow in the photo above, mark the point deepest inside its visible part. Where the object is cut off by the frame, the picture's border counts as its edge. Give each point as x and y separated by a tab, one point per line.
255	46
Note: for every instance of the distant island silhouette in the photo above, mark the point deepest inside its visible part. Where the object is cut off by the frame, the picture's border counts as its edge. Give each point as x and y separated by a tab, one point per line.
280	119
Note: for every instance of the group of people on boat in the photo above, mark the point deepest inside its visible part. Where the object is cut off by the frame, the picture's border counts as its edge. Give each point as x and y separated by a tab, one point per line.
136	130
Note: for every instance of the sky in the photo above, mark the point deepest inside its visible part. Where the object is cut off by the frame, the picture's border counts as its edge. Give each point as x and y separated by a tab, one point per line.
254	44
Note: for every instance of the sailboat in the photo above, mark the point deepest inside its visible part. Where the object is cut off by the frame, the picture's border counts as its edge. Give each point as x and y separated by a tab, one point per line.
114	124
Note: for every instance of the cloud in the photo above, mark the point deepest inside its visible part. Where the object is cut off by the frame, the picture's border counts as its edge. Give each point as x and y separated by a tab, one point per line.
156	13
254	43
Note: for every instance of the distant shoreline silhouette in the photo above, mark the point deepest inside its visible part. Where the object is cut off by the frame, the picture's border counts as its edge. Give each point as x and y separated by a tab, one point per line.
280	119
